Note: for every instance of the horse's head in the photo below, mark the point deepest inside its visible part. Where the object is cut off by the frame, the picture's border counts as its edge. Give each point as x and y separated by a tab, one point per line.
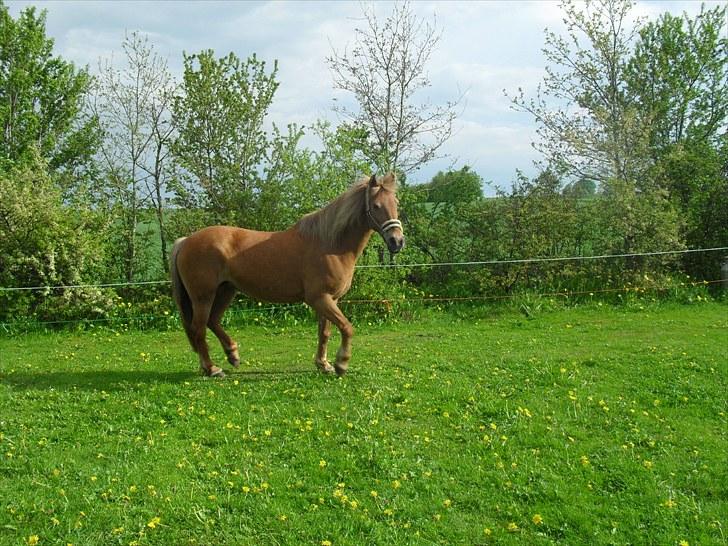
381	210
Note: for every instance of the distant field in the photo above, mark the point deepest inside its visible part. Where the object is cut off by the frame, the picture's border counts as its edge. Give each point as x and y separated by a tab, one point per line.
581	426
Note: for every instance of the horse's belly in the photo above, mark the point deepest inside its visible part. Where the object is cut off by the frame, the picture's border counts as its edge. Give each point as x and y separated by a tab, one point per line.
266	273
270	288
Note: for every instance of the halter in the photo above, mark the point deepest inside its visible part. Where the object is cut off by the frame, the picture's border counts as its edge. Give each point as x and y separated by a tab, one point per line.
380	228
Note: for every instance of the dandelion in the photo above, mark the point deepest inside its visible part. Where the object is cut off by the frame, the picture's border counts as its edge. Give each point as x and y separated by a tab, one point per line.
487	531
32	540
373	493
647	464
684	543
154	522
325	543
669	503
447	503
584	460
322	463
512	527
537	519
396	484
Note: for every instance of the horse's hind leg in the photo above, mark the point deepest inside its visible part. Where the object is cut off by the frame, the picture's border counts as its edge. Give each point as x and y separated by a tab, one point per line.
223	297
200	315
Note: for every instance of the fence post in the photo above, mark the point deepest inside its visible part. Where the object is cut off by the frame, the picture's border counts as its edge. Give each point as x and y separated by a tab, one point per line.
724	273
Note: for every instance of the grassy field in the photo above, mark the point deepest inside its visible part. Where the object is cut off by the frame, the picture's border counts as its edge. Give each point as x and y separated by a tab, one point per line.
582	426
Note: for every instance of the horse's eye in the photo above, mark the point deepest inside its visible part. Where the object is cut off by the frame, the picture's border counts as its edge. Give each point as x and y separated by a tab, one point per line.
377	206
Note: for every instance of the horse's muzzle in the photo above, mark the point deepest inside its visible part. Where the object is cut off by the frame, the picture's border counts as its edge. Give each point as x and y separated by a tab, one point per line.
395	243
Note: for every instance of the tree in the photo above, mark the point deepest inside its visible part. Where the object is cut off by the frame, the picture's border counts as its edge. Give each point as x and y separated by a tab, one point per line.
678	78
462	186
384	71
41	99
132	106
221	143
47	243
586	126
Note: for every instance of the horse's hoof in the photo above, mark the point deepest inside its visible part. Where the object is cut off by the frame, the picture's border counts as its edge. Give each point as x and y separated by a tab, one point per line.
341	372
325	368
235	363
217	373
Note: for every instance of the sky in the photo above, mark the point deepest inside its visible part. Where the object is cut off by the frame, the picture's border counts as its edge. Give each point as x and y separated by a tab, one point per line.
485	48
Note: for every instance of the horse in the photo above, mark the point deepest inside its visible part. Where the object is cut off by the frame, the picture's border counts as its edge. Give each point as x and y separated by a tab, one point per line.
312	261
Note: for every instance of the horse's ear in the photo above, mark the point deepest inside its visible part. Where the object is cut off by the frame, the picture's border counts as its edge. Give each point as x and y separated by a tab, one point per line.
373	181
389	181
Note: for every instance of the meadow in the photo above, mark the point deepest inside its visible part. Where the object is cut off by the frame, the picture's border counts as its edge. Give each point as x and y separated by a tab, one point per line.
586	425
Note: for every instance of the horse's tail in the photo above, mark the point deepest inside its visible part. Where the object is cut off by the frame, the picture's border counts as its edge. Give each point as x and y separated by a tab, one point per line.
179	292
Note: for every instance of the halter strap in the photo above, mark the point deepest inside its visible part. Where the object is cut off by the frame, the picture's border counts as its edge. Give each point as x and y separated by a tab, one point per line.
392	223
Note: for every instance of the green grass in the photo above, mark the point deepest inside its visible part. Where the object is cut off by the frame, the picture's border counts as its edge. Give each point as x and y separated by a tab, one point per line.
609	425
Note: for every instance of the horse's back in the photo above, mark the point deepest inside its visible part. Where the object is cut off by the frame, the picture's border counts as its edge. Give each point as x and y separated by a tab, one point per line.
264	265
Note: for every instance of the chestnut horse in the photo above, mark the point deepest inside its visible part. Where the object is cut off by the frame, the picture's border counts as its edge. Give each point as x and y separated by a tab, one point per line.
312	261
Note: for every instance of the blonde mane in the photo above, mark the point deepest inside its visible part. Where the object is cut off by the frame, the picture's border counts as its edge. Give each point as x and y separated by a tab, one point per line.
328	224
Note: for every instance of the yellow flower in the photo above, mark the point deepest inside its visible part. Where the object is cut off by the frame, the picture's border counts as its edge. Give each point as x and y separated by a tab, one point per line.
322	463
325	543
155	521
396	484
669	503
537	519
487	531
684	543
447	503
374	494
584	460
32	540
512	527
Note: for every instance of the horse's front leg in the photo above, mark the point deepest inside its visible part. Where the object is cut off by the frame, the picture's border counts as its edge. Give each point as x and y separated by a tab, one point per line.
327	309
324	333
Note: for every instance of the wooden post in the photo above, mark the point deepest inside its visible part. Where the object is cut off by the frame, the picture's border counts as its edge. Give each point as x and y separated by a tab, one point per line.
724	273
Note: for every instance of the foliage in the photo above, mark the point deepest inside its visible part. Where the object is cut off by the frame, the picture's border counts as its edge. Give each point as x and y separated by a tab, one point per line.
678	77
461	186
41	98
221	144
601	422
45	243
587	126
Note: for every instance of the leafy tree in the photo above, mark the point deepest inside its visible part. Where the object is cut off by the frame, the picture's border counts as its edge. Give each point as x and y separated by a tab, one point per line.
384	70
678	78
47	243
586	125
461	186
221	143
41	99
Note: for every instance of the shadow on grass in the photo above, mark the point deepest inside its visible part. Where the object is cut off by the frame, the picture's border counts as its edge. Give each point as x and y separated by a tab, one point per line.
95	380
110	381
